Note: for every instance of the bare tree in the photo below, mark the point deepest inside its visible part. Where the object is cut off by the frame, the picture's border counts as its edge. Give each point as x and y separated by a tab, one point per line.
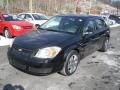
47	6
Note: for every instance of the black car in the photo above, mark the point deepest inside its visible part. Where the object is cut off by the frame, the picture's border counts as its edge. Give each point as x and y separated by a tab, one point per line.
116	18
59	44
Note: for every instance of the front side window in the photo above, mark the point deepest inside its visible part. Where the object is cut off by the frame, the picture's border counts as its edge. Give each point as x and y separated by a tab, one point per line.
90	27
11	18
63	24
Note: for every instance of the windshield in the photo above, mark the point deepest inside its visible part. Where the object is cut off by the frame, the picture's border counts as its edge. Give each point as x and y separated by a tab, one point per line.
11	17
39	17
63	24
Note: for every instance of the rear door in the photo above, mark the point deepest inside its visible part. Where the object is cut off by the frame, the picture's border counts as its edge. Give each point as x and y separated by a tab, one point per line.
100	32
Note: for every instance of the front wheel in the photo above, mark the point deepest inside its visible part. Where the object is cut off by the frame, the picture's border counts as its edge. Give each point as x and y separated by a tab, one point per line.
7	33
71	63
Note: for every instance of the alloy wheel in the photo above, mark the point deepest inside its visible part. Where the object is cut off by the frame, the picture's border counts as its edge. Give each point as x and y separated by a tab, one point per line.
72	64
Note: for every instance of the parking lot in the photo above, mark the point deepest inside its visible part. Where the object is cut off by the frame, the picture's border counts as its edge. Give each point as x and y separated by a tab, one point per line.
99	71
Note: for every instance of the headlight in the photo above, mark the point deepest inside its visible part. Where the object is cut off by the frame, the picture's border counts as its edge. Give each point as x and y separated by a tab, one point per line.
11	43
49	52
16	27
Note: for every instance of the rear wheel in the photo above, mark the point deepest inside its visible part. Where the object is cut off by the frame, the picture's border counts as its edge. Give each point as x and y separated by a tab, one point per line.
71	64
7	33
105	45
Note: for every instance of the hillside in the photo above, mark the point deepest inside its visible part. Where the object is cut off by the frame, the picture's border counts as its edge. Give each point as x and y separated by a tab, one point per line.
51	7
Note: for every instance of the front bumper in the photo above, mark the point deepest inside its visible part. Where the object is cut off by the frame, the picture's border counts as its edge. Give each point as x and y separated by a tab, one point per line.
32	65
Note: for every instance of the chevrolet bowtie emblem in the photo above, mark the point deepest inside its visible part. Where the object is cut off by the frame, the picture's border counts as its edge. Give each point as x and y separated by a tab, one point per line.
19	50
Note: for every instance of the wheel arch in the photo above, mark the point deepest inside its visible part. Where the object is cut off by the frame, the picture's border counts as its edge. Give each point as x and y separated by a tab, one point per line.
6	27
67	52
3	29
74	48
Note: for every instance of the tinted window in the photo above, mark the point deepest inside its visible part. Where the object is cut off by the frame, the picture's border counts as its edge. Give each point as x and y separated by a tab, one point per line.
90	27
100	24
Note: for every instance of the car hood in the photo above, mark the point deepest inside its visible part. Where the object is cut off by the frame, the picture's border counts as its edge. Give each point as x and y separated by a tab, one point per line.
41	39
20	23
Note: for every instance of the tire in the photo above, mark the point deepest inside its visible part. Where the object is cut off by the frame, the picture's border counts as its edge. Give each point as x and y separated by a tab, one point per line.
70	64
6	33
37	26
105	45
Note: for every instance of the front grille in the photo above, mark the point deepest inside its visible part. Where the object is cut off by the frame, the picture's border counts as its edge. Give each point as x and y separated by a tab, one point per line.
27	27
19	49
18	65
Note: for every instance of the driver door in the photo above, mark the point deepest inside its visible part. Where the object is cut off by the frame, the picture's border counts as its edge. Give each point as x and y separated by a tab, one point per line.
89	42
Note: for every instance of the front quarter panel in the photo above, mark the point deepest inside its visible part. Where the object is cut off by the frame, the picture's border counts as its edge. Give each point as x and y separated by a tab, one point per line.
73	44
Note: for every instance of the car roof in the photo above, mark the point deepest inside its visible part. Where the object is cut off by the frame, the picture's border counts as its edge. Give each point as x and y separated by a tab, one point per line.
31	13
7	14
84	16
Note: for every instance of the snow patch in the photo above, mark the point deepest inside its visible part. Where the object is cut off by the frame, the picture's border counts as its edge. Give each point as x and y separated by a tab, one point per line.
108	61
54	88
109	52
116	25
5	41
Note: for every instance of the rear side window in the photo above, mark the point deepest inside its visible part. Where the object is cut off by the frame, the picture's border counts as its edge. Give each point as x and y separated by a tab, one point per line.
100	24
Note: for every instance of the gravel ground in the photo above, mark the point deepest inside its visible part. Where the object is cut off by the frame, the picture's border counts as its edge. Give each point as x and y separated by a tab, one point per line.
99	71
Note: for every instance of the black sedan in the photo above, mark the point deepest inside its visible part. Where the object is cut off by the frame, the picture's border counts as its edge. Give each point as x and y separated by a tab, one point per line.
59	44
